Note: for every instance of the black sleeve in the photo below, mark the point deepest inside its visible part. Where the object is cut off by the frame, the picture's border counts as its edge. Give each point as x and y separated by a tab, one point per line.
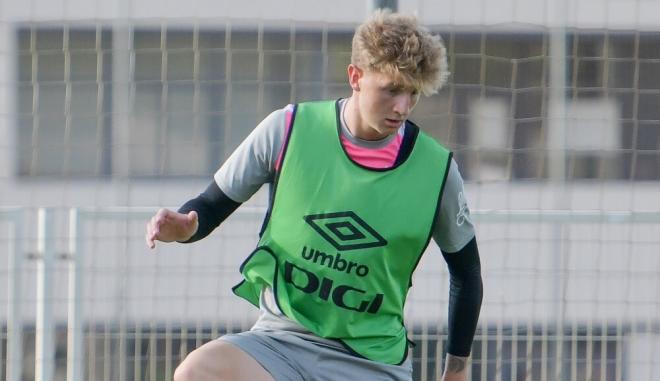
212	207
465	295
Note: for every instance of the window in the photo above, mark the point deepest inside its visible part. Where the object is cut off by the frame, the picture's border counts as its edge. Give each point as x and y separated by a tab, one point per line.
64	102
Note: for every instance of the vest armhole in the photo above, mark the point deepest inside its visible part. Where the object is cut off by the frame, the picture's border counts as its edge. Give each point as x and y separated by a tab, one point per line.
435	214
290	122
410	133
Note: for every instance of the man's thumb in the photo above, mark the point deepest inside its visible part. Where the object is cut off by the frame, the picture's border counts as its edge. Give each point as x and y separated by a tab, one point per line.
192	216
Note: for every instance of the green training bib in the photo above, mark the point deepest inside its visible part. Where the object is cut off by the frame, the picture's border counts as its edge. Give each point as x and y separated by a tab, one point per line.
342	241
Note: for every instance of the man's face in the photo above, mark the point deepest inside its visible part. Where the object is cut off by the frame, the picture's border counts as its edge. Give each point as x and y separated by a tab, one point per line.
383	103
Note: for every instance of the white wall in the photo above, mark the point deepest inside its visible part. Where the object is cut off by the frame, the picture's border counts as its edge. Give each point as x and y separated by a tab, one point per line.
618	14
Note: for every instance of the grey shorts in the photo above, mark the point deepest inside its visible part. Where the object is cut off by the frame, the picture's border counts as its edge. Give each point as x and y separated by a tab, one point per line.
290	358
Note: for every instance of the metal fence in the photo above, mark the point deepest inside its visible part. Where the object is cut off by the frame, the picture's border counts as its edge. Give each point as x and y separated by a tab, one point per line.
535	324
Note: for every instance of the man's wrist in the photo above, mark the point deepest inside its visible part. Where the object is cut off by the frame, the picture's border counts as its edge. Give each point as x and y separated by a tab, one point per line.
456	364
455	368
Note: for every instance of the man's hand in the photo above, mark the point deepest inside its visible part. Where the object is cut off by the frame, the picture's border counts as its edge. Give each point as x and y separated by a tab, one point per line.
455	368
169	226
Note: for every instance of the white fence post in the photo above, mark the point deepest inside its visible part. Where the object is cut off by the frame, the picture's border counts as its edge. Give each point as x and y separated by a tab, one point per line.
74	332
45	359
14	296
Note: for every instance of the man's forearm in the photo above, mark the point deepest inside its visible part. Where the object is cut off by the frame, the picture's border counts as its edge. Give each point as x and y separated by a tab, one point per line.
212	206
465	295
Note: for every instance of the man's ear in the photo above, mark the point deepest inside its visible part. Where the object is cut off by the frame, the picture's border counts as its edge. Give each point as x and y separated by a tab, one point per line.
354	75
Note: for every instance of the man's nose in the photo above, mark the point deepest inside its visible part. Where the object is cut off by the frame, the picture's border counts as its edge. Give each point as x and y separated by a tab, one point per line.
403	104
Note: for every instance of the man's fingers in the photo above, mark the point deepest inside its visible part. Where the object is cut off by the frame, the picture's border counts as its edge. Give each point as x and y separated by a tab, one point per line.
162	212
152	232
158	219
150	240
150	243
163	215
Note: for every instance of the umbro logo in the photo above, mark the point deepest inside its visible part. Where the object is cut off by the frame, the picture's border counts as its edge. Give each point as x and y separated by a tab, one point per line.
345	230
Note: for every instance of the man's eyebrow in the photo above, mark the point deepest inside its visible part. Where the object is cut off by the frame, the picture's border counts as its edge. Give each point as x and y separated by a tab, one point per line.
395	86
403	87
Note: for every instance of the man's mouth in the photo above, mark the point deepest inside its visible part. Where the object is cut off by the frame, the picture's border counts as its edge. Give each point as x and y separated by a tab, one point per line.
393	122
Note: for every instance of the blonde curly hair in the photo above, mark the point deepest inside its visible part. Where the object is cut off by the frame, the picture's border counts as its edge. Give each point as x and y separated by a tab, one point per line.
396	45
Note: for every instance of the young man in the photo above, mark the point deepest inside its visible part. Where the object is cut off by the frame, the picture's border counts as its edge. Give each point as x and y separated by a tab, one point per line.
357	193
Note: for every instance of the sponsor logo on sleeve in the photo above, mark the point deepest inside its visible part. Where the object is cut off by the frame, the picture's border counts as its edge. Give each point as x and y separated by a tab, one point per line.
463	211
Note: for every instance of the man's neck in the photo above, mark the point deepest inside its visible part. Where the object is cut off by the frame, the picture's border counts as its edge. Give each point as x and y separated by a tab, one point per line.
350	116
354	122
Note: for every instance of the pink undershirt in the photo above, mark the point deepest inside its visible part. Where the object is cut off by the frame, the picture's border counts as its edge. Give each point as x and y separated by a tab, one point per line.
378	158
